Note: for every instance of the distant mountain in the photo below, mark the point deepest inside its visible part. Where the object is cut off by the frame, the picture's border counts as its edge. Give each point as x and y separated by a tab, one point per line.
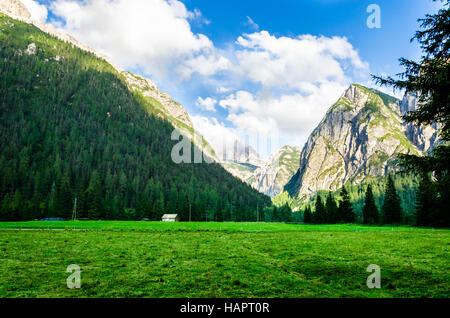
240	170
424	138
268	177
359	137
241	161
276	172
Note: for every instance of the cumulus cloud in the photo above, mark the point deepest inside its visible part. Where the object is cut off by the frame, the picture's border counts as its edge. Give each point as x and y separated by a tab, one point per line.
151	34
299	78
219	136
295	62
262	82
233	143
38	11
294	115
206	104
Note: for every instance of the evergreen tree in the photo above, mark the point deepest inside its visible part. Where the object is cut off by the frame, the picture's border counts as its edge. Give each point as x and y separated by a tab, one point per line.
429	80
425	203
64	204
94	194
275	215
307	216
392	211
370	210
345	210
320	213
331	209
286	213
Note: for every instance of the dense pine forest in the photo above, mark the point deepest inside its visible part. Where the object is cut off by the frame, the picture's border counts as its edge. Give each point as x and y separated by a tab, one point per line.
71	131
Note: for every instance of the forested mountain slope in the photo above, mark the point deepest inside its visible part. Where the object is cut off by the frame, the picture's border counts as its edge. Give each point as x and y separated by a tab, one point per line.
71	128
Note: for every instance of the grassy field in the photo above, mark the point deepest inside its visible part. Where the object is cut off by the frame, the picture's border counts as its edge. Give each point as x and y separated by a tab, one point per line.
154	259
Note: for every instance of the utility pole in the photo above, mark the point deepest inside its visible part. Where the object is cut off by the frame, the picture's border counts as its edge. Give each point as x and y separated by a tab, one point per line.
232	216
190	211
74	212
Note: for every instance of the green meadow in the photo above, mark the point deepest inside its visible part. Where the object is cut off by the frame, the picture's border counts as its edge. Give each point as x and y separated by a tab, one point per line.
155	259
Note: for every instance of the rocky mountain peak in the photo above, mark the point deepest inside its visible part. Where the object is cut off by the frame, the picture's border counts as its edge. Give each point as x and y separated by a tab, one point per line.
356	94
359	136
14	8
149	89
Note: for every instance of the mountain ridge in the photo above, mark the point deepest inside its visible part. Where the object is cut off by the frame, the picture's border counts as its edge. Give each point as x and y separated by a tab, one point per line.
73	129
360	136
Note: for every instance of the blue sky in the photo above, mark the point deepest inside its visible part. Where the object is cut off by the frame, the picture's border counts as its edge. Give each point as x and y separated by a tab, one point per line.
247	68
380	47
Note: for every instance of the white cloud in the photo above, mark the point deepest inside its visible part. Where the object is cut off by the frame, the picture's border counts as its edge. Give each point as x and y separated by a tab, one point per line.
235	144
223	90
295	62
286	84
294	115
38	11
206	104
252	24
152	34
219	136
299	78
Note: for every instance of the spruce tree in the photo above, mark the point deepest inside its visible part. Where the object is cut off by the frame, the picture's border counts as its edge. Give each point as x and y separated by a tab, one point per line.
346	214
424	202
332	209
320	213
392	211
64	202
307	216
370	210
94	194
286	213
429	80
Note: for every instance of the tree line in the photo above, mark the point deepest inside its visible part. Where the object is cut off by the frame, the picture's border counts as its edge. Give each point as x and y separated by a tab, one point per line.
330	212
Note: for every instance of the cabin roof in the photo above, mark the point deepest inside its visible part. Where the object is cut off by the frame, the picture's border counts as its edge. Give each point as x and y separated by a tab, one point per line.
170	216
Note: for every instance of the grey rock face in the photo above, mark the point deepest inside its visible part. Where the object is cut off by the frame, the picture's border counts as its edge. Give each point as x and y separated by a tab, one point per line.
360	136
14	8
149	89
277	171
425	138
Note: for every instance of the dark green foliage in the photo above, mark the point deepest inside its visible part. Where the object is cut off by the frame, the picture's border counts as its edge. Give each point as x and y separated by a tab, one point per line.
307	216
286	213
320	214
274	214
370	211
72	129
332	215
425	203
429	79
406	185
345	211
392	211
430	210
